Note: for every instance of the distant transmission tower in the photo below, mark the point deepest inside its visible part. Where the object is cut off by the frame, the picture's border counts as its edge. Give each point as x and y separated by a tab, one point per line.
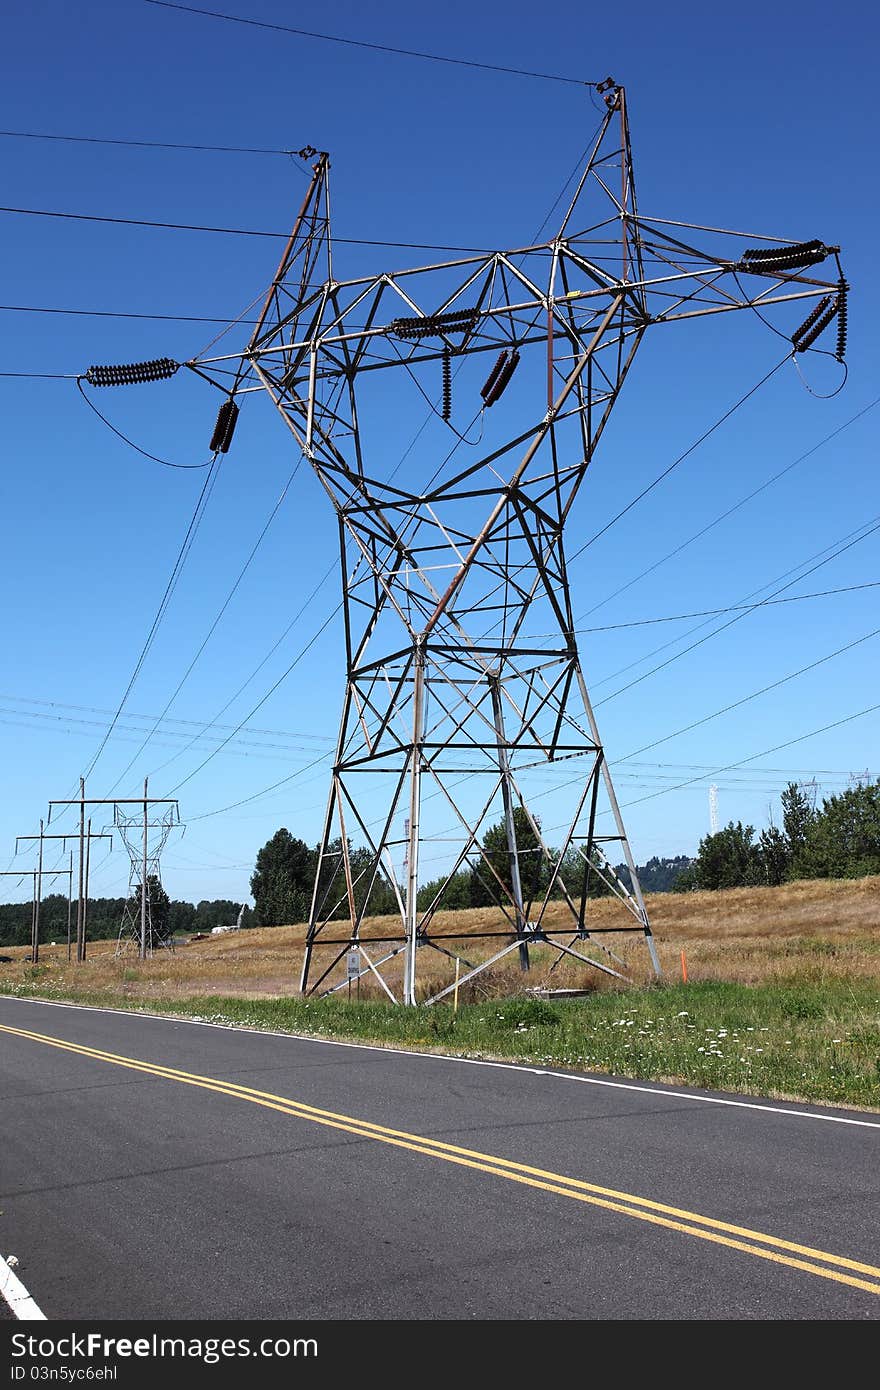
453	558
713	810
144	839
811	791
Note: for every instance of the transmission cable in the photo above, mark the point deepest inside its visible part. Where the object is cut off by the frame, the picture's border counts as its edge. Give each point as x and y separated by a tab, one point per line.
736	704
741	503
195	521
166	463
237	231
271	691
714	612
375	47
242	572
115	314
765	753
783	680
139	144
681	458
724	626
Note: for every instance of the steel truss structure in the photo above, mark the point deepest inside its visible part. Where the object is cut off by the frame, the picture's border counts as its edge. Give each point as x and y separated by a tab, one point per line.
450	571
144	840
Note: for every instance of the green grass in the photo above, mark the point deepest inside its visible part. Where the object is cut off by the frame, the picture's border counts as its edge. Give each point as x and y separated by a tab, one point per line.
807	1040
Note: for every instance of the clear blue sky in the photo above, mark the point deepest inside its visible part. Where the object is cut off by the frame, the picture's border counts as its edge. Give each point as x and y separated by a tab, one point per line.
765	122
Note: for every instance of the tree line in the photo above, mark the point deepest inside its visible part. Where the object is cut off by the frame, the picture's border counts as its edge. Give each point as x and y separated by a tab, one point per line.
104	916
840	839
283	881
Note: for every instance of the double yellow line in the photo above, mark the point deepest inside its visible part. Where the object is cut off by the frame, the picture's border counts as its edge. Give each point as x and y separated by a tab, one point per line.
764	1247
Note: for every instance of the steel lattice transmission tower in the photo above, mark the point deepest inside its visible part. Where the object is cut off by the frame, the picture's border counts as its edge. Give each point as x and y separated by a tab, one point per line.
454	569
144	839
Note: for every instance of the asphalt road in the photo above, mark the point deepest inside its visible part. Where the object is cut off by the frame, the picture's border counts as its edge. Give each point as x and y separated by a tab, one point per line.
193	1172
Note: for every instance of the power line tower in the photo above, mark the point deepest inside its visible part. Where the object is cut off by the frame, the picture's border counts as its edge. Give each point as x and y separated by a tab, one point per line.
811	791
454	569
713	810
144	839
147	856
41	839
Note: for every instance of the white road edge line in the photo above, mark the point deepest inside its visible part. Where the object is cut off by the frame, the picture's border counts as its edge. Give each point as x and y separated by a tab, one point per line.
16	1295
469	1061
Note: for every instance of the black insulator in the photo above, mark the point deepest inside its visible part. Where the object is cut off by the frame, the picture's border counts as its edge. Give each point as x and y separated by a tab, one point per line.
225	427
435	325
447	383
811	318
507	371
841	321
773	258
818	328
131	373
493	375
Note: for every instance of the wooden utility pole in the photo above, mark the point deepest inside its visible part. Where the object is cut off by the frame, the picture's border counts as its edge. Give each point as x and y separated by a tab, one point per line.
80	937
82	906
33	874
143	950
69	904
82	801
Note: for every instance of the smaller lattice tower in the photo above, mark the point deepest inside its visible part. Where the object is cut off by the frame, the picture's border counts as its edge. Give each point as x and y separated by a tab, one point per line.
143	927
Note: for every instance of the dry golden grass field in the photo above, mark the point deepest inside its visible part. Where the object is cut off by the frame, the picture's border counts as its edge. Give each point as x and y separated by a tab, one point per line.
806	931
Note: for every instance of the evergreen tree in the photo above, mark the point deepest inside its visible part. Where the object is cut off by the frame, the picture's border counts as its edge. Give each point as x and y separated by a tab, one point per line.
282	880
728	859
843	840
798	819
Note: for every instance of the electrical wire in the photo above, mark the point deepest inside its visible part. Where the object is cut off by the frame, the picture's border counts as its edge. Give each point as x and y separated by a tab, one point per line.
730	510
166	463
265	791
236	231
186	545
765	753
191	723
226	602
873	527
681	458
713	612
231	701
774	685
138	144
44	376
736	704
261	702
375	47
116	314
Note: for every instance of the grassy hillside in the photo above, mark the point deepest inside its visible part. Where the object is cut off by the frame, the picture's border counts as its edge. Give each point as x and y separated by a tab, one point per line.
782	996
810	930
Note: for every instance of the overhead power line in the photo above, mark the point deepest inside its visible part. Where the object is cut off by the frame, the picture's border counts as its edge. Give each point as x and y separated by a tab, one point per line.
115	314
148	718
212	629
847	719
681	458
271	691
866	531
715	612
233	231
872	405
186	545
375	47
139	144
